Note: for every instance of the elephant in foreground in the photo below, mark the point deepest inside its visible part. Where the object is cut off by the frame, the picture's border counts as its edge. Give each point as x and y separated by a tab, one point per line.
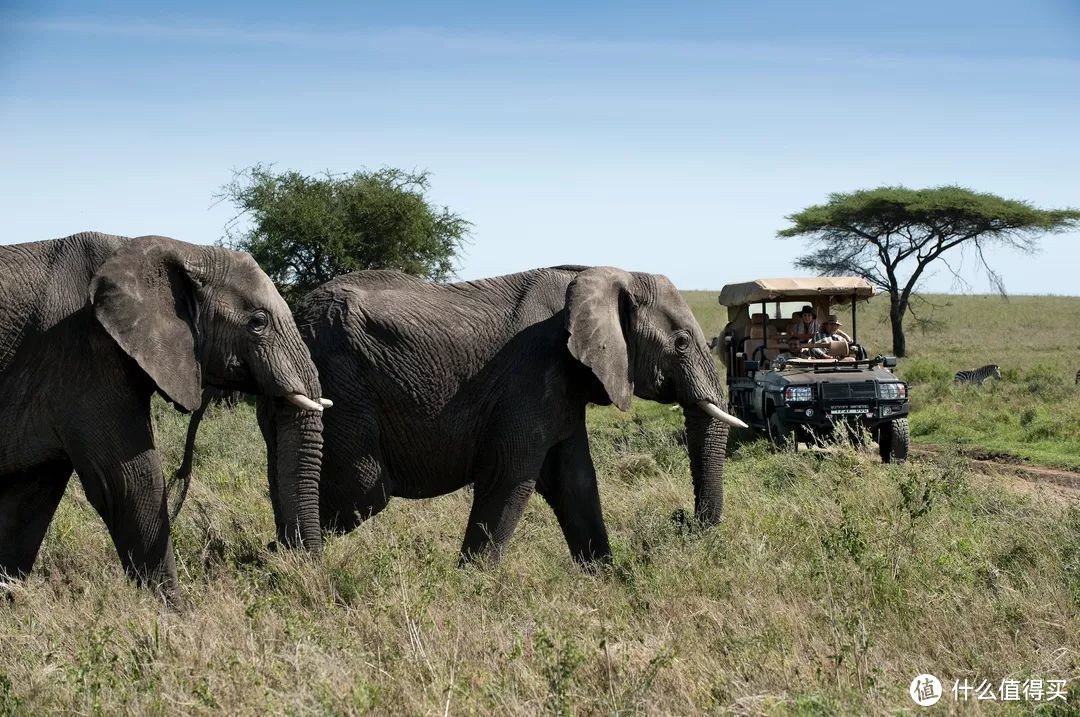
437	386
90	327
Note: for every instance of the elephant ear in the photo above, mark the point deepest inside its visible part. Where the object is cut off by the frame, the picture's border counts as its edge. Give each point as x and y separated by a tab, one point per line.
598	303
145	297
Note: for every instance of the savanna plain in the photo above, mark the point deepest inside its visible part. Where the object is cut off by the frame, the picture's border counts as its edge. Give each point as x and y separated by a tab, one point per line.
832	582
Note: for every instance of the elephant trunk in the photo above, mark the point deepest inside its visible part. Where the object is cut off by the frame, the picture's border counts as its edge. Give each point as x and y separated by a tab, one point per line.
294	461
287	371
178	486
706	442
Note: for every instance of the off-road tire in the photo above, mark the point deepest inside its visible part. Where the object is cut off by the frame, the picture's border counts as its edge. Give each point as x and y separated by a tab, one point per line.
779	434
894	439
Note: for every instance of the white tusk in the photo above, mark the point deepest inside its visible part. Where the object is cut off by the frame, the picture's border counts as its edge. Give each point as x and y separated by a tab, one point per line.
301	401
715	412
326	402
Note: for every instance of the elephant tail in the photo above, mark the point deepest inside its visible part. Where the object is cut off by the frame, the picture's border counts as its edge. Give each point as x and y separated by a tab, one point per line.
181	480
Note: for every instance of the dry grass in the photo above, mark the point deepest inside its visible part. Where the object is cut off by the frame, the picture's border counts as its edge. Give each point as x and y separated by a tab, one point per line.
833	581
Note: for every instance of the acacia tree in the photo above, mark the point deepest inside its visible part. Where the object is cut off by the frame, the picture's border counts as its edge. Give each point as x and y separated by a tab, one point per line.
890	235
305	230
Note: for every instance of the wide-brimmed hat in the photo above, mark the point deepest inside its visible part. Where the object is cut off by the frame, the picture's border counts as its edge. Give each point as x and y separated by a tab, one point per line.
834	319
809	310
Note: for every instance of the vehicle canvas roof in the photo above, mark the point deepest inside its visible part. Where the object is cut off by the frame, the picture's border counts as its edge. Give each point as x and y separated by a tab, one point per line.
841	287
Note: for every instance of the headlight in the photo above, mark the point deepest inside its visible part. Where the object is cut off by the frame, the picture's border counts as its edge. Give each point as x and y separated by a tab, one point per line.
799	393
891	391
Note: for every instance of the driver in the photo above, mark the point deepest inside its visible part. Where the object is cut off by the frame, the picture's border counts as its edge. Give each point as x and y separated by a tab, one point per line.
791	351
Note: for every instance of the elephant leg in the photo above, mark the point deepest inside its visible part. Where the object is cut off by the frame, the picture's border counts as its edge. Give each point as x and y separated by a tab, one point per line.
496	509
28	501
568	484
351	492
354	484
121	475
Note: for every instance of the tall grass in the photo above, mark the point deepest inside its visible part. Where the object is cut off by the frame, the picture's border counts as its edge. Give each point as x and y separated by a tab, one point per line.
832	582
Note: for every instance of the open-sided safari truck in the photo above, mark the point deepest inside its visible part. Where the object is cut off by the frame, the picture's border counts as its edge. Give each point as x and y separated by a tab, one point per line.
793	396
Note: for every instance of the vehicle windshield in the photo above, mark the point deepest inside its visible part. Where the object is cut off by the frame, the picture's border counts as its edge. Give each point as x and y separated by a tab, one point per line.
785	309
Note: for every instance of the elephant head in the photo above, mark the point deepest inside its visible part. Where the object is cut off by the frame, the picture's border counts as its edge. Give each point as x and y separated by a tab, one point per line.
639	338
193	315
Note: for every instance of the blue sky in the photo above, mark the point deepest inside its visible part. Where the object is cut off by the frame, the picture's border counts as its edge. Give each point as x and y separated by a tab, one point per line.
667	137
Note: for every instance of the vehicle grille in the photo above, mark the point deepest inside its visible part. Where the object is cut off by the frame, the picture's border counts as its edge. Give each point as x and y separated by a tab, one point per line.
863	390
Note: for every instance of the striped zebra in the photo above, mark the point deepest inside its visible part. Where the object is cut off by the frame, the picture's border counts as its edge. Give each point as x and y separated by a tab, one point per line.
979	375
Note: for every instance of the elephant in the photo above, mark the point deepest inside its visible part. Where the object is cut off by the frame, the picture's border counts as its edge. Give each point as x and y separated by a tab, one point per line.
486	382
91	326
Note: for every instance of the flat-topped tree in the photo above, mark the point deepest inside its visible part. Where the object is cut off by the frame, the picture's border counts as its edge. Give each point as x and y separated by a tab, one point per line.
890	235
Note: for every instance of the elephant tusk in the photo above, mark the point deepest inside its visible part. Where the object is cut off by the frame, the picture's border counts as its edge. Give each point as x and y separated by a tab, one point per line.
303	402
715	412
326	402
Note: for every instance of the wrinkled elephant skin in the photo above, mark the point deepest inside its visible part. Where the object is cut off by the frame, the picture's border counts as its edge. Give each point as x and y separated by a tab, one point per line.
437	386
90	327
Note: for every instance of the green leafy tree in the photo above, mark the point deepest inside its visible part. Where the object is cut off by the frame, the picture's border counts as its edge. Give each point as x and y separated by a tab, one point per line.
305	230
891	235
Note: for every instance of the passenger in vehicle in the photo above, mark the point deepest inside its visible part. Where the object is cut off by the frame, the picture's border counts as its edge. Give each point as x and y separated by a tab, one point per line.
830	331
807	325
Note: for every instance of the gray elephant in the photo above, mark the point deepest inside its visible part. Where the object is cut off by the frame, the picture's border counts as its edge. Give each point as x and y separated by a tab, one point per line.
90	327
486	382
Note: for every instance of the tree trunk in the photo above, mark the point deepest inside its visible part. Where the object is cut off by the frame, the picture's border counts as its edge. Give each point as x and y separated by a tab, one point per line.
706	442
897	309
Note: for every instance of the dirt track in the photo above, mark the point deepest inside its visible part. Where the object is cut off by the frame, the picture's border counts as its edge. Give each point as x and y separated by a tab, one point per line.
1064	482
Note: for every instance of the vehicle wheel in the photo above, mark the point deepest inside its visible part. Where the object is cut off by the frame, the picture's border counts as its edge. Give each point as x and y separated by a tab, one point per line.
779	433
894	439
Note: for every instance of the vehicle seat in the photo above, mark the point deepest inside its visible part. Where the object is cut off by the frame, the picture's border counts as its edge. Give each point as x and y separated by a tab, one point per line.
756	321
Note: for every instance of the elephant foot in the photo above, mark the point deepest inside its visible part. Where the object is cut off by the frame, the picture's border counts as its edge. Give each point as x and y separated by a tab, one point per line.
596	564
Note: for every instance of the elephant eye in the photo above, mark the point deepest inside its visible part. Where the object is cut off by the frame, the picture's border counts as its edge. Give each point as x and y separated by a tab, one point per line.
682	342
258	322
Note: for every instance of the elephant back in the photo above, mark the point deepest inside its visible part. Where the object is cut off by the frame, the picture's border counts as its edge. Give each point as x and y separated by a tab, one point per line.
427	342
43	282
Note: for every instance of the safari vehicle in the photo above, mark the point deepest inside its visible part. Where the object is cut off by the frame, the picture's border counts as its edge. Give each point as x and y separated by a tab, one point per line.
803	397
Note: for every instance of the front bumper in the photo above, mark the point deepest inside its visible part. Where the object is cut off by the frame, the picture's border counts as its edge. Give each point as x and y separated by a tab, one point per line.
819	414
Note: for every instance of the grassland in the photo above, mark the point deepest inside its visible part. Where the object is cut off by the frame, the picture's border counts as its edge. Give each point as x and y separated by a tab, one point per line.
1033	414
832	582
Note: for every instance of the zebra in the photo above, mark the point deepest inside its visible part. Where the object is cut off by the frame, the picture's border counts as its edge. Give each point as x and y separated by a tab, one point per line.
979	375
1077	381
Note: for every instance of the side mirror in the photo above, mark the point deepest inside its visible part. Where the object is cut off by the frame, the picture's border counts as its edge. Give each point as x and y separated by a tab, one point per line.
751	366
889	362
